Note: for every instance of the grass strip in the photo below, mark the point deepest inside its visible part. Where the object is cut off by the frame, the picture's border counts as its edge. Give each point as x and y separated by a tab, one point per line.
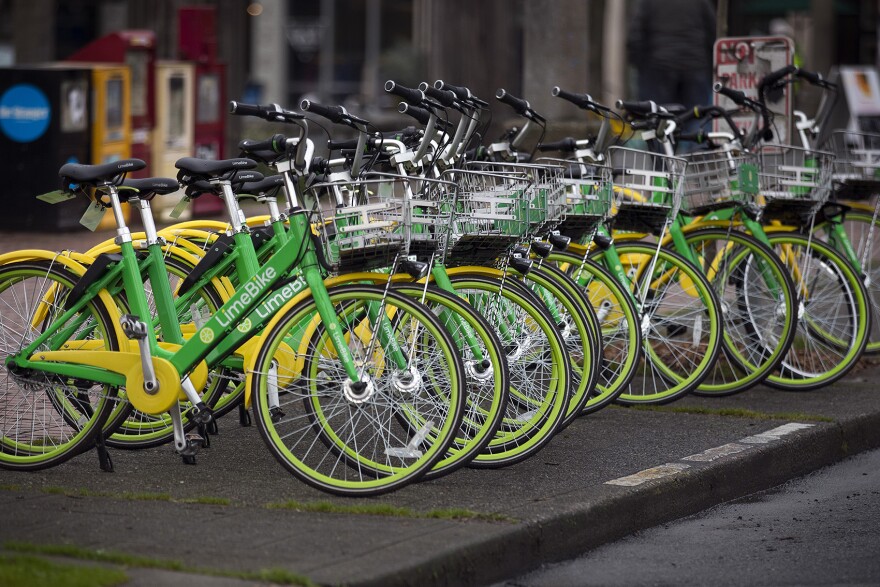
37	572
732	412
381	509
131	496
276	576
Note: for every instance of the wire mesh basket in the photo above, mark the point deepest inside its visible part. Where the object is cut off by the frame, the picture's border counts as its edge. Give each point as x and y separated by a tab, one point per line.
545	195
795	182
647	186
427	211
490	215
718	179
856	164
360	222
588	197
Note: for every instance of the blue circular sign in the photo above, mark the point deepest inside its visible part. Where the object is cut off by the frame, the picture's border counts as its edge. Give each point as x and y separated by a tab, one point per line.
24	113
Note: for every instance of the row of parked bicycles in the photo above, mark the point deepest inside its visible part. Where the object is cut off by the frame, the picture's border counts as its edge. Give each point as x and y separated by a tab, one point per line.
417	301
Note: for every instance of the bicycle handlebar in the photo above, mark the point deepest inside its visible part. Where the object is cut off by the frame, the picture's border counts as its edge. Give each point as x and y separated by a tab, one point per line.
270	112
521	106
568	144
584	101
421	115
712	111
414	97
816	79
446	98
336	114
462	93
774	76
276	144
641	108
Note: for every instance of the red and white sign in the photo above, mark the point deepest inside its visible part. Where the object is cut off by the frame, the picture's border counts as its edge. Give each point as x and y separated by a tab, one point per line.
740	63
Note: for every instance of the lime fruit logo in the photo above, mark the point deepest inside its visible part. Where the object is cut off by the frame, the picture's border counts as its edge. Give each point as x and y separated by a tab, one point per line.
206	335
245	326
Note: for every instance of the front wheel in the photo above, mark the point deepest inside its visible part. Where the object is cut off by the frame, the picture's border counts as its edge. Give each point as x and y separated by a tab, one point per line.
367	437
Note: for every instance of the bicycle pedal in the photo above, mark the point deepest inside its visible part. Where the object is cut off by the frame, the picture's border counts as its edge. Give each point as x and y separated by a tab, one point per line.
193	443
133	327
676	330
201	413
276	414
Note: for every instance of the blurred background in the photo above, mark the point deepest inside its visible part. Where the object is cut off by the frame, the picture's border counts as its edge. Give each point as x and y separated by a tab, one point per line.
152	79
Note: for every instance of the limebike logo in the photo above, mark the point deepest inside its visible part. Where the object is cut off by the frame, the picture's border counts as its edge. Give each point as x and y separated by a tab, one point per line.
252	291
24	113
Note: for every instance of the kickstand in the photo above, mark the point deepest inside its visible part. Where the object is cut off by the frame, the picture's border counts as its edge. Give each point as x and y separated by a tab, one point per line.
104	460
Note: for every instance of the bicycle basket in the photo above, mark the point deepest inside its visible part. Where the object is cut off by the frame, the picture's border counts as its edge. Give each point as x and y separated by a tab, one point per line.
794	182
717	179
427	211
588	196
545	194
359	222
647	188
856	164
489	215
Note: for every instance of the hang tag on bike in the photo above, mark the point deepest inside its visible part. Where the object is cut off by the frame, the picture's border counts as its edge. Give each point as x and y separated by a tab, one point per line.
180	207
649	135
56	197
93	216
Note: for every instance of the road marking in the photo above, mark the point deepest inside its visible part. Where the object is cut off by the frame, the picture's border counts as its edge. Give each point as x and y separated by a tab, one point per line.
775	434
649	475
708	455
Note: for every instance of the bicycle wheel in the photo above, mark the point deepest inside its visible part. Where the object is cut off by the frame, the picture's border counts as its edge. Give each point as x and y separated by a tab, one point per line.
861	232
617	315
128	428
352	441
46	418
758	305
579	327
680	322
488	378
539	367
833	309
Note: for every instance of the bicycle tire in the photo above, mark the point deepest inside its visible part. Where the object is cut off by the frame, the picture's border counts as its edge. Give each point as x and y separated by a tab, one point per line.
313	443
62	416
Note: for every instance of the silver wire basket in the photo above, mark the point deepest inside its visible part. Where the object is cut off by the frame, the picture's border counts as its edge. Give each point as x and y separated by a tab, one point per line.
359	222
856	164
546	194
490	215
648	188
795	182
588	197
719	179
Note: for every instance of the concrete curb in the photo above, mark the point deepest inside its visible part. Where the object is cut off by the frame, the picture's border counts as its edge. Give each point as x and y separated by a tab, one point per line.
558	537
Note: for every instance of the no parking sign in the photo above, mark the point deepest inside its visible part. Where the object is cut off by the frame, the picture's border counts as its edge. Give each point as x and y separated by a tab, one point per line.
740	63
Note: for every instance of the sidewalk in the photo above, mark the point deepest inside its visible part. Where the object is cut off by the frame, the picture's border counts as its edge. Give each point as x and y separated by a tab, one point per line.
605	476
237	513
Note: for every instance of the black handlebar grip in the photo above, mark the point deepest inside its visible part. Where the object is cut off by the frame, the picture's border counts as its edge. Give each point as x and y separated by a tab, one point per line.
737	96
331	113
276	143
637	108
518	104
246	109
342	145
420	114
444	97
774	76
695	137
580	100
568	144
410	95
461	93
643	124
